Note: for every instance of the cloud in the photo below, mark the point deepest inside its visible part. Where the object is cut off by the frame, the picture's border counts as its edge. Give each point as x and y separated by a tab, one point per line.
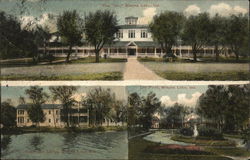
224	9
148	15
181	99
167	101
192	10
79	96
46	19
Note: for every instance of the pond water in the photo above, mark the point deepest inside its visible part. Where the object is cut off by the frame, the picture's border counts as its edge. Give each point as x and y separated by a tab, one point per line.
163	137
101	145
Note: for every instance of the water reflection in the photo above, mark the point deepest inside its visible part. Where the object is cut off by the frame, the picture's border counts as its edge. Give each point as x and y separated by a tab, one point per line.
5	141
104	145
36	142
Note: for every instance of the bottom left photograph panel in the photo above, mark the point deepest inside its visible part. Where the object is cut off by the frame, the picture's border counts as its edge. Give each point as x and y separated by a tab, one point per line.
63	122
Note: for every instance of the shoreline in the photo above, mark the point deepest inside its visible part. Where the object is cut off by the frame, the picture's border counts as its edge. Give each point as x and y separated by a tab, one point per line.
20	130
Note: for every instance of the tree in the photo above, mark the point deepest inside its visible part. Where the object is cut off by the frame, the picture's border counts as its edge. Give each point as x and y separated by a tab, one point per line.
142	109
99	102
70	27
237	34
150	105
217	34
196	32
238	108
227	106
8	115
38	97
166	29
100	29
42	36
175	115
212	104
134	105
65	95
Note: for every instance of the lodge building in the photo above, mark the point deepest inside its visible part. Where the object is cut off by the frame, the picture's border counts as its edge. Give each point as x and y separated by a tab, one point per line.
53	118
132	39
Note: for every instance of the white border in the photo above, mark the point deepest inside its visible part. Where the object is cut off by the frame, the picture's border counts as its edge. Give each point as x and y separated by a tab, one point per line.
119	83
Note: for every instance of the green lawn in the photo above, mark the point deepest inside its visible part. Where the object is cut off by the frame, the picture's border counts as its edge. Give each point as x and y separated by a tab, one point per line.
202	60
137	150
220	76
86	76
101	60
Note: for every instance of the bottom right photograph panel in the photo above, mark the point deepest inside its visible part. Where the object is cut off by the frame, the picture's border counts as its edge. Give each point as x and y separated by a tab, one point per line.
200	122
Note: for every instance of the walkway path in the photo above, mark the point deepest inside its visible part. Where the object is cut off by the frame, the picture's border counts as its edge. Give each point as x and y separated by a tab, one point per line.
134	70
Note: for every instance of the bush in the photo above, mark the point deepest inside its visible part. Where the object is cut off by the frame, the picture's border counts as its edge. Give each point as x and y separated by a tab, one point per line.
187	131
210	133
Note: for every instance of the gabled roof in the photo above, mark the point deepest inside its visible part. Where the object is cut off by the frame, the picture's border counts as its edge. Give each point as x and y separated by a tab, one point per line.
137	43
44	106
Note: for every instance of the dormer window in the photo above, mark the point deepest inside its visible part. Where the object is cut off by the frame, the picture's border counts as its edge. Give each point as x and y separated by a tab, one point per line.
119	34
131	33
131	20
144	34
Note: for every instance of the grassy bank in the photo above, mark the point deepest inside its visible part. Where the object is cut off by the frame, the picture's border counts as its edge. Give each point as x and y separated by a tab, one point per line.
87	76
138	150
220	76
20	130
203	142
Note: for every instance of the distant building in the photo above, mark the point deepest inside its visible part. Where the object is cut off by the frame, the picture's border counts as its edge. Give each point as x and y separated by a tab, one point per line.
132	39
155	123
79	117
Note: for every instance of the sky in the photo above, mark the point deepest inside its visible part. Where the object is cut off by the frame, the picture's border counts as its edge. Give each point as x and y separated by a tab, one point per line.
169	95
14	92
144	9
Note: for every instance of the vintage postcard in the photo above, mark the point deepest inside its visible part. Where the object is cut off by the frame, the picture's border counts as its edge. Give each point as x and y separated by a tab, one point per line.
125	79
124	40
197	122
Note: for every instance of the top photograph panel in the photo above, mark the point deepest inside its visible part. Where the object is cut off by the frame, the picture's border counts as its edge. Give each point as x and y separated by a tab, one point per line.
175	40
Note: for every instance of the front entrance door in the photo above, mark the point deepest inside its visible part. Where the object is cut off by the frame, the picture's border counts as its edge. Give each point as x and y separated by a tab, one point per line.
131	51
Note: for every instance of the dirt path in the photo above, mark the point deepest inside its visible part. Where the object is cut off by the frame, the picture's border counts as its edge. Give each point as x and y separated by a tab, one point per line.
134	70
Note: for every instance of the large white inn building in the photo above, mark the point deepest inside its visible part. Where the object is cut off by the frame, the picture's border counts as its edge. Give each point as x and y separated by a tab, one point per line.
132	39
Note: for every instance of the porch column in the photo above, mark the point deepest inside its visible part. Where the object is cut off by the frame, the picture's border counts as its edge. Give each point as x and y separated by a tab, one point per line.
117	51
108	50
155	51
180	51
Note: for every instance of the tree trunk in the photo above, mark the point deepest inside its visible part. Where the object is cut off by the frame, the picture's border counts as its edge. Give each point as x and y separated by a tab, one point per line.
216	53
97	56
69	52
195	56
236	55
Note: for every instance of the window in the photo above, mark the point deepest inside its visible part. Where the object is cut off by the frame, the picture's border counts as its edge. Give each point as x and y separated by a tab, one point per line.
49	112
57	112
119	34
21	112
20	120
28	120
131	33
49	120
56	120
144	34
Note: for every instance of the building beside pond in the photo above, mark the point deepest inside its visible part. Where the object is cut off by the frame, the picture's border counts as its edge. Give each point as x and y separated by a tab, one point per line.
132	39
53	117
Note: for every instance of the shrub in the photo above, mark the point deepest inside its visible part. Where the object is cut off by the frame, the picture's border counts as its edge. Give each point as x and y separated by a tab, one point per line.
210	133
187	131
